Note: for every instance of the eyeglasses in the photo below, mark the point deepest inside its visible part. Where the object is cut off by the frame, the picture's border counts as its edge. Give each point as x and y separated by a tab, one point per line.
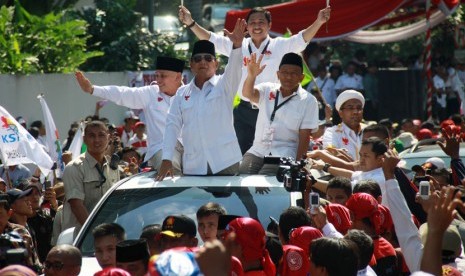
353	108
199	57
53	265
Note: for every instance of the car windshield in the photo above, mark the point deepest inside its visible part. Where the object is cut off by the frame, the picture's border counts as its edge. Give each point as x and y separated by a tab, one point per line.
135	208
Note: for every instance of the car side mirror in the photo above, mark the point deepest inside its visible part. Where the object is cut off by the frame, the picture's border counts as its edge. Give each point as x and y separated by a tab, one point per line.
66	237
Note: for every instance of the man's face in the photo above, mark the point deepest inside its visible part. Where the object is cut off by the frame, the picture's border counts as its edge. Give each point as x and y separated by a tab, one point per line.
105	251
35	199
408	127
336	195
22	206
351	113
208	227
350	70
368	159
57	264
170	242
96	139
257	26
4	216
168	81
136	268
204	65
140	130
290	76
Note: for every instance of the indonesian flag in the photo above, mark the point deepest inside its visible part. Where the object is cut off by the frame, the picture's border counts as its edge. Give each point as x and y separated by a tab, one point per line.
76	144
52	138
17	146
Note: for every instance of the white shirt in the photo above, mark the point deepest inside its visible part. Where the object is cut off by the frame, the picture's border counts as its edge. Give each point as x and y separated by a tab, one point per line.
149	98
440	85
125	137
206	119
349	82
341	136
326	86
376	175
367	271
300	112
139	144
276	48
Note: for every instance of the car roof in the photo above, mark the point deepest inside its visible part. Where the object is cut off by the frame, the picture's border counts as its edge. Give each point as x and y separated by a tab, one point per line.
146	180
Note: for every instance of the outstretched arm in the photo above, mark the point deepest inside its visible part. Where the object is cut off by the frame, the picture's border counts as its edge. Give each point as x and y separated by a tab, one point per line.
323	17
253	70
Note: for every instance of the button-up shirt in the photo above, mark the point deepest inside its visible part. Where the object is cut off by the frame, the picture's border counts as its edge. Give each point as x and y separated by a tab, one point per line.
341	136
349	82
205	116
276	48
149	98
300	112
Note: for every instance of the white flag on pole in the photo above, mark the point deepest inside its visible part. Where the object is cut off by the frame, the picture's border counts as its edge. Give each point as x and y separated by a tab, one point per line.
76	144
52	137
17	146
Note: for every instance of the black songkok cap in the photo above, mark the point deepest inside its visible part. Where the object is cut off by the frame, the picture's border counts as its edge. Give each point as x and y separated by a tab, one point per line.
131	251
291	58
170	64
224	220
203	47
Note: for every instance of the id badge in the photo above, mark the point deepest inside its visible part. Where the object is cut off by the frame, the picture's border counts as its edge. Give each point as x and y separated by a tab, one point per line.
268	135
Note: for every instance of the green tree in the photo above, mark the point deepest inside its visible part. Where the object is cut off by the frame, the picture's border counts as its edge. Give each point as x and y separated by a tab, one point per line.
49	44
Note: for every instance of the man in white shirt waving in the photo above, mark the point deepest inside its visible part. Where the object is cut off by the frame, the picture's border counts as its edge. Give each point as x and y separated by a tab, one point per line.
259	42
203	111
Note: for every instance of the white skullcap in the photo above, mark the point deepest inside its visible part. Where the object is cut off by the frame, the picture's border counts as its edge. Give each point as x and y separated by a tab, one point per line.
349	95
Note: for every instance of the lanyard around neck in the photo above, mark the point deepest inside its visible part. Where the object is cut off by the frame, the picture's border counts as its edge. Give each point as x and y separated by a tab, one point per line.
264	49
278	106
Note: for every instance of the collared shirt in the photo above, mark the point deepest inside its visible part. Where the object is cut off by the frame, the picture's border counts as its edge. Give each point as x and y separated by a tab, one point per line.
367	271
276	48
206	119
349	82
300	112
154	103
82	181
20	172
341	136
326	86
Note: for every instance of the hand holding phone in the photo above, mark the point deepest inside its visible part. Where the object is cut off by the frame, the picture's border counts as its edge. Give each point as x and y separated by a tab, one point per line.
424	189
314	202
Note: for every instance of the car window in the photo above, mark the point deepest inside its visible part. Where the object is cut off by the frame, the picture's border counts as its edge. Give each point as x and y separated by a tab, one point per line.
135	208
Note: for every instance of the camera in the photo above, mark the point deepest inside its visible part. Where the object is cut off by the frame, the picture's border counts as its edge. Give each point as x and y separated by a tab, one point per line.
12	249
291	173
424	189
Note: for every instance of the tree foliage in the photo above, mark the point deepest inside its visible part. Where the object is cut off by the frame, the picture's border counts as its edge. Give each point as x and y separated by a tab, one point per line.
47	44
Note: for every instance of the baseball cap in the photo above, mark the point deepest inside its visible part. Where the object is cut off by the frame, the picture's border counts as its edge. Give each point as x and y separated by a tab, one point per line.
139	124
130	115
424	133
349	95
15	194
177	225
407	139
433	163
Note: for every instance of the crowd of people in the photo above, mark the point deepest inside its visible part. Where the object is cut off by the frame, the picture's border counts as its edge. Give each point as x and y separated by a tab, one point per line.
370	219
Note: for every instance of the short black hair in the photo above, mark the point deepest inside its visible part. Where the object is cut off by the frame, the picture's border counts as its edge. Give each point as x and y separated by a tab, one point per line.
129	149
380	131
365	246
377	145
324	251
149	233
210	208
259	10
292	217
37	124
340	182
95	123
109	229
368	186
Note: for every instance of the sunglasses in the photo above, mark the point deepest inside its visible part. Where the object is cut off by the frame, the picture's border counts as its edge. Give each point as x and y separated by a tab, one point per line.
199	57
54	265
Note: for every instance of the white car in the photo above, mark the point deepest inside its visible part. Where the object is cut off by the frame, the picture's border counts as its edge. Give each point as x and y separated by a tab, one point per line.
139	200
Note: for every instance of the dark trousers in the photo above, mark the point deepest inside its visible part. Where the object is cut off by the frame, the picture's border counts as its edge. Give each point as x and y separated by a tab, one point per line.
245	118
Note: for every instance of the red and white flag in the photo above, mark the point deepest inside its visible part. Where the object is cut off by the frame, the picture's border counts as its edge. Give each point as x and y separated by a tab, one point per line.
17	146
52	138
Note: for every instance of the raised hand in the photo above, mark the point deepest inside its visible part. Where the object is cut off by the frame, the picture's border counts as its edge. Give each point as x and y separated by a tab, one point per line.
451	146
253	65
84	82
237	35
185	16
324	15
391	159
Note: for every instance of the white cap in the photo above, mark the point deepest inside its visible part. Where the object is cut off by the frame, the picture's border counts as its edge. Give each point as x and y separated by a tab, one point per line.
438	162
349	95
407	139
130	114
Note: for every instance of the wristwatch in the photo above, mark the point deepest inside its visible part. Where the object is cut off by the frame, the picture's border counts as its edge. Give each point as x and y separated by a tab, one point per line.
326	167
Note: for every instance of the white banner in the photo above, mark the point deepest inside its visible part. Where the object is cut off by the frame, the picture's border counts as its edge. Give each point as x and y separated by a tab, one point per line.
76	144
17	146
52	137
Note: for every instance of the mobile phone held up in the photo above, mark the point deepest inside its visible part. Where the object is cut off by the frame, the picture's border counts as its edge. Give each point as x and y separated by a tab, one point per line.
424	189
314	202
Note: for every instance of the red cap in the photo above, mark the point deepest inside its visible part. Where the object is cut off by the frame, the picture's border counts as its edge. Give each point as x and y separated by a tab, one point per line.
424	133
364	205
446	123
303	237
387	225
112	271
139	124
250	235
339	216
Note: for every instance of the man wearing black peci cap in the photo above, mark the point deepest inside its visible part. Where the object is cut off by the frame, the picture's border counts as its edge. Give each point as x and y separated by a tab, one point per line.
154	100
178	231
287	115
202	111
133	256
